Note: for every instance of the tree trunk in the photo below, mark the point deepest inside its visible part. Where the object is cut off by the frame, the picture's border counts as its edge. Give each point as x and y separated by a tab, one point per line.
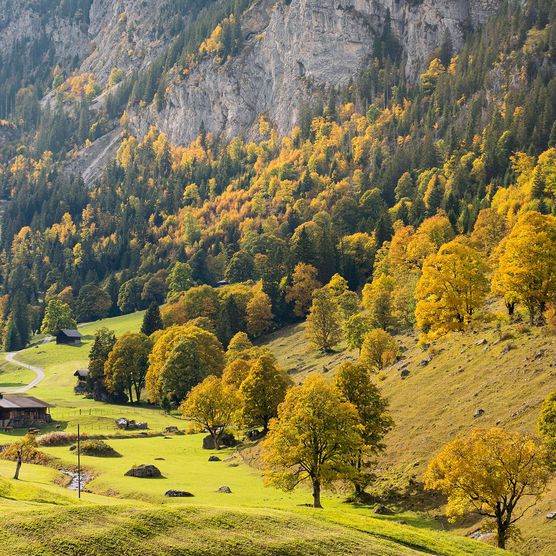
216	440
501	530
316	494
19	461
511	307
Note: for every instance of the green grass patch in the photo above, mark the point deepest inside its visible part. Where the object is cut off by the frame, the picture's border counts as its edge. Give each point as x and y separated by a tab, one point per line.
194	530
14	376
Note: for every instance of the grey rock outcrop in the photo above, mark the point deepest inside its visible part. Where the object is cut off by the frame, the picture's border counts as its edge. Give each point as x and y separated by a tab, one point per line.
144	472
294	51
291	52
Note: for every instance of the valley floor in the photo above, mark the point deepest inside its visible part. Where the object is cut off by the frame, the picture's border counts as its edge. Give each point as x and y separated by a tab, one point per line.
126	515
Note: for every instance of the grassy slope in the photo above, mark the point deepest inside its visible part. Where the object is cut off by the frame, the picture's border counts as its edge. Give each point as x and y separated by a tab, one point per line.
41	518
14	376
206	524
61	361
193	530
438	401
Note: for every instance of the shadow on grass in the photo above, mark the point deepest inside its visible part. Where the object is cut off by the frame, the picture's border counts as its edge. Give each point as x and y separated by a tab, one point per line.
414	498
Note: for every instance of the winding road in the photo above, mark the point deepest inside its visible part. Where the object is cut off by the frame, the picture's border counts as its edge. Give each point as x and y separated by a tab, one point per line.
39	371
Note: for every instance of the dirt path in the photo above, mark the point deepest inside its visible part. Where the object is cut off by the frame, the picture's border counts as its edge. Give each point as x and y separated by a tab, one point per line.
39	371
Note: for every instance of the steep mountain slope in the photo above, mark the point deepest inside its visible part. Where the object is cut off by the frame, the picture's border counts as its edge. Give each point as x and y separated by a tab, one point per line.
296	50
484	378
292	51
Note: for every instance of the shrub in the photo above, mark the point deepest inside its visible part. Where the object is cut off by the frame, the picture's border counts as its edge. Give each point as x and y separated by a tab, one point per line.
97	448
30	454
58	438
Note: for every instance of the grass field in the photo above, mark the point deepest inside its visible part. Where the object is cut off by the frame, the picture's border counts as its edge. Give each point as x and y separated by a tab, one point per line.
507	378
127	515
212	531
42	518
61	361
14	376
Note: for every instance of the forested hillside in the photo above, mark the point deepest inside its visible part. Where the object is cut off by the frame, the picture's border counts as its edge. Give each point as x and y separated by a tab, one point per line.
322	233
477	131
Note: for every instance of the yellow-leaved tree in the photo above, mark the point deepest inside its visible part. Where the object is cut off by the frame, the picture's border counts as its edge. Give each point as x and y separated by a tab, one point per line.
263	390
213	405
496	473
379	349
354	384
452	286
304	283
205	356
127	363
316	438
527	269
324	329
259	315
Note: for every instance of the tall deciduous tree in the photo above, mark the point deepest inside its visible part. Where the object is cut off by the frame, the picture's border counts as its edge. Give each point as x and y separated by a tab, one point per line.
236	372
452	287
354	383
213	405
304	283
527	269
58	315
355	330
263	391
240	345
179	279
208	356
489	472
315	438
547	426
323	323
92	303
102	346
182	371
378	301
126	366
379	349
259	315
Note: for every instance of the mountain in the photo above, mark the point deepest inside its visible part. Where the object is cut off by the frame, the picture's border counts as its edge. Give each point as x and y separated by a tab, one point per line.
369	180
290	51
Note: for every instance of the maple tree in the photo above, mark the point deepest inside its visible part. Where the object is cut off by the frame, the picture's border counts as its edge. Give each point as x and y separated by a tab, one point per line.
489	472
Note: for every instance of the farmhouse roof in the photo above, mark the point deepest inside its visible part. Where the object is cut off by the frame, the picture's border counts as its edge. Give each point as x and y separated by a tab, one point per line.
83	373
21	402
71	332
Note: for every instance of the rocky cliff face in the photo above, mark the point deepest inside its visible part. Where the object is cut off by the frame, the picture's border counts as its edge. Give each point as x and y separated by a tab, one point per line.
27	20
128	34
293	50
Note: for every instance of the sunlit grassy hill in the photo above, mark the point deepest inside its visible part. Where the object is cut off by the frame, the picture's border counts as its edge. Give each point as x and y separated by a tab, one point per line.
482	378
129	516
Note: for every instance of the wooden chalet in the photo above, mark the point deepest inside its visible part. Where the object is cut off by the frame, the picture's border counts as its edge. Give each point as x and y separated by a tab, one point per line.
18	412
68	336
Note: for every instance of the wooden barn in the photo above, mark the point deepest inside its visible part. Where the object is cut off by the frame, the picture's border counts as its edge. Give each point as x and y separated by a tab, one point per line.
82	376
18	412
68	336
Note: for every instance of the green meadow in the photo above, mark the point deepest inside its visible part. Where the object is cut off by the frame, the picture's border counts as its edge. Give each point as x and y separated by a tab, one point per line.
126	515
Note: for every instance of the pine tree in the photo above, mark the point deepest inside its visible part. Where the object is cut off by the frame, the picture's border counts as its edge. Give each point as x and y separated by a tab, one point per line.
20	315
152	321
12	341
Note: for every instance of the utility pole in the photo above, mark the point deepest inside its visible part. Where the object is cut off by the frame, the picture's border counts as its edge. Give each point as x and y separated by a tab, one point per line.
79	461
